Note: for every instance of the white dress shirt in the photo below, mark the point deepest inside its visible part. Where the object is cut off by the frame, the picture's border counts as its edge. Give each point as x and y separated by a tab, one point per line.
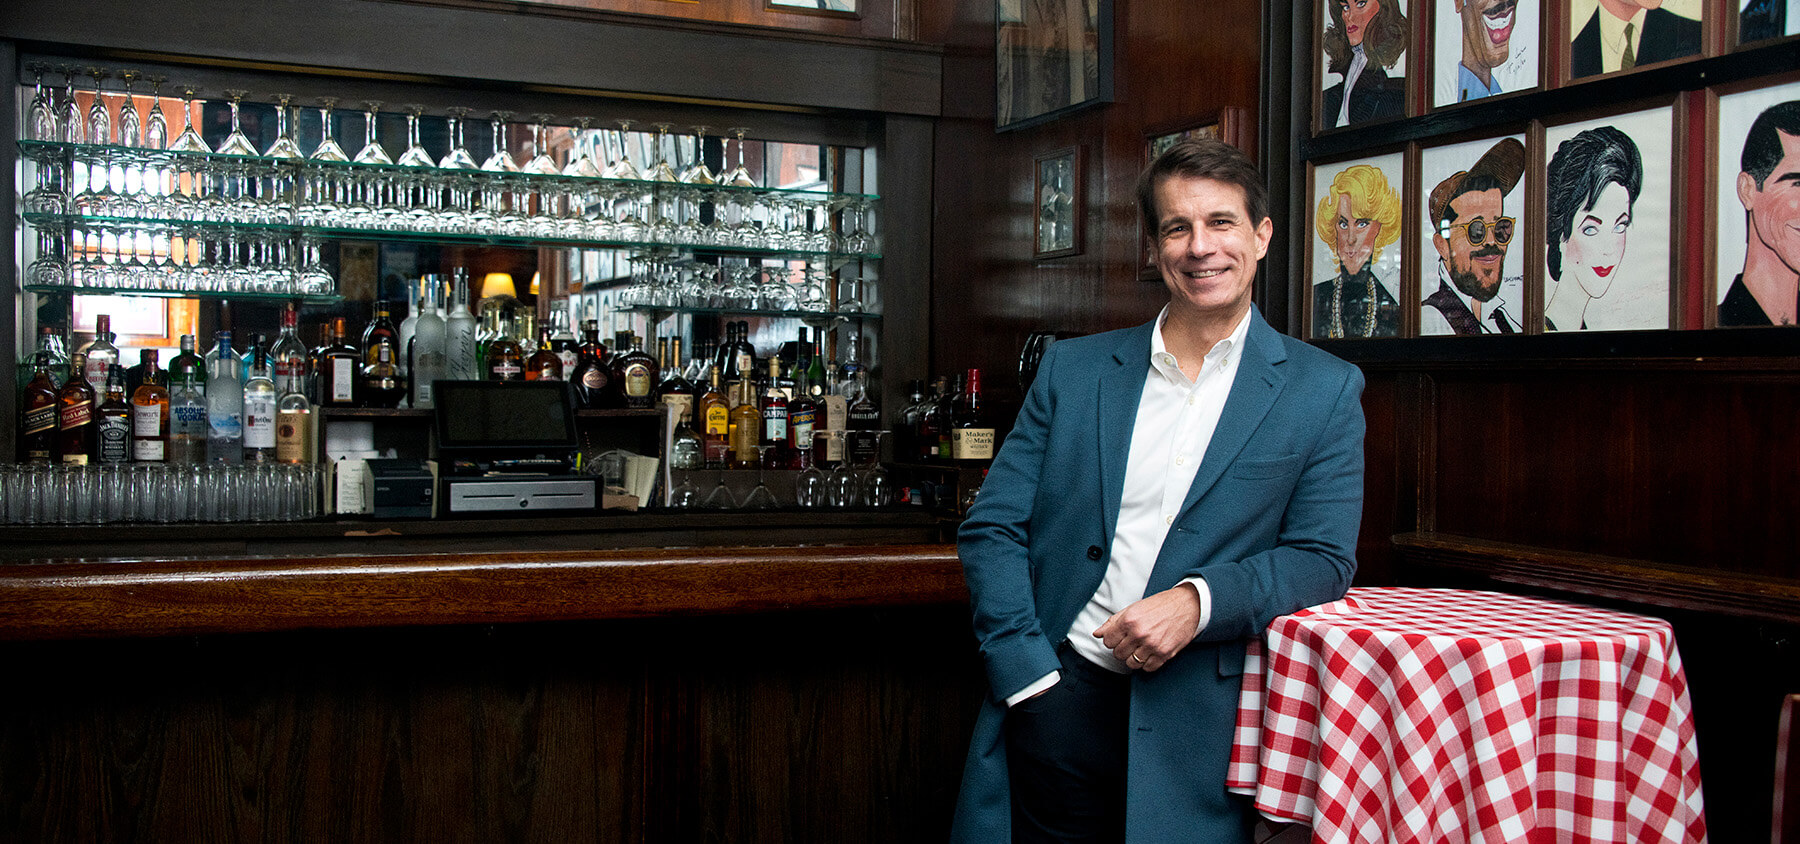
1613	38
1176	418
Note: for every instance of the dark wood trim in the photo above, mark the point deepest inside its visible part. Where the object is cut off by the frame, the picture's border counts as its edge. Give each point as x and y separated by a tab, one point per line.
183	597
1693	588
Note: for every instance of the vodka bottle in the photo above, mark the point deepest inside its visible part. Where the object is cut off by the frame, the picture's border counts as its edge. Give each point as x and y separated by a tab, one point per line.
409	325
260	399
224	403
429	356
188	426
288	357
100	353
459	335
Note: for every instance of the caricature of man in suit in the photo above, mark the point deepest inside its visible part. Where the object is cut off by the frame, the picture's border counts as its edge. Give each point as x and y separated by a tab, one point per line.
1166	491
1623	34
1767	292
1472	234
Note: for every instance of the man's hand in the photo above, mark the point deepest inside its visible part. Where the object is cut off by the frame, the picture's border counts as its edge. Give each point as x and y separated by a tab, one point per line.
1152	631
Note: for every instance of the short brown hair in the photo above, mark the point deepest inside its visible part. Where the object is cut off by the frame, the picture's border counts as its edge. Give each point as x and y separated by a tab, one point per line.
1202	158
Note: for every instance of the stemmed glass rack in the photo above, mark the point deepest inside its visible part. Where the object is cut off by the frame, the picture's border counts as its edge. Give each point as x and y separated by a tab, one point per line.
116	215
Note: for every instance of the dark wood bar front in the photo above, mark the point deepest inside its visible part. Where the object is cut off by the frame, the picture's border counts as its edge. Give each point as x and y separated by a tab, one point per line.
723	694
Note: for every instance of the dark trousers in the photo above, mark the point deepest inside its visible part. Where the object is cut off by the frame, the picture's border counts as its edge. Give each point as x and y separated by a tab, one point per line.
1065	754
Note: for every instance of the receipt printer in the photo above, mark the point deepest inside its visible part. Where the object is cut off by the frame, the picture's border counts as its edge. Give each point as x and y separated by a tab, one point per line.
403	488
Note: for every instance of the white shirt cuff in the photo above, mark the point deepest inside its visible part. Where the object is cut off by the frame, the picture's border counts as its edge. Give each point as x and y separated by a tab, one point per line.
1042	683
1205	601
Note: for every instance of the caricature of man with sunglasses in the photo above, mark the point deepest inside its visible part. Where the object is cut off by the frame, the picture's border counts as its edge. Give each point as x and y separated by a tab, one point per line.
1472	233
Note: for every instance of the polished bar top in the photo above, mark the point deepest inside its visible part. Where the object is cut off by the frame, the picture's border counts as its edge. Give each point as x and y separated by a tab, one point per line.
67	599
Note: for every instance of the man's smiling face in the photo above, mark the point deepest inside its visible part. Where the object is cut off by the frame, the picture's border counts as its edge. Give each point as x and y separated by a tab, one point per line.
1487	32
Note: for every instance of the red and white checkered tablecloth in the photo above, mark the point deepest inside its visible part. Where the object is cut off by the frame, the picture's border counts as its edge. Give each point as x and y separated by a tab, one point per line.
1439	715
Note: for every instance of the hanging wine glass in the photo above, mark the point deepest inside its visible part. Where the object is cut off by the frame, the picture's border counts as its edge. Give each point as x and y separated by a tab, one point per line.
501	202
328	149
68	114
720	498
236	143
131	126
458	186
541	162
660	171
99	119
415	154
579	162
739	175
458	158
760	497
685	496
697	173
501	160
622	167
372	151
810	486
189	140
41	124
283	146
156	124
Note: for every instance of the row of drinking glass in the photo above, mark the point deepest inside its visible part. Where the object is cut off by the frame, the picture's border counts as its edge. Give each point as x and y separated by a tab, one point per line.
182	259
51	493
110	182
843	487
658	281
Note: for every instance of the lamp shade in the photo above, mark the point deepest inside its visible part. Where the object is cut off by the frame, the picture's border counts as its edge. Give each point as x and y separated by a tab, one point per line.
498	284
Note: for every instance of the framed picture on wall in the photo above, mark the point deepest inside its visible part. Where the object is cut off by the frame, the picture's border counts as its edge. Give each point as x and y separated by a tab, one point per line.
1482	48
1757	196
1057	192
1623	35
1051	57
1355	263
1609	222
1471	271
1760	20
1362	62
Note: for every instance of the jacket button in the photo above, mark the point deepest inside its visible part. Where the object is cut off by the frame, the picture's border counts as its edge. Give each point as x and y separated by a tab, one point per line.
1094	552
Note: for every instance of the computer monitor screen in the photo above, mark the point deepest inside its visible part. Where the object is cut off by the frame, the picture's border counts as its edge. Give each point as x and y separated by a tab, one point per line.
504	417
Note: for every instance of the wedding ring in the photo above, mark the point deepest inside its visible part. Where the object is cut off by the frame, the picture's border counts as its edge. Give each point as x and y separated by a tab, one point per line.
1139	659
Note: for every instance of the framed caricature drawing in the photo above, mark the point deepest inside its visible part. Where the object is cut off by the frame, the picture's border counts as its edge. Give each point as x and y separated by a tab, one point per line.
1758	201
1760	20
1608	193
1363	66
1355	259
1622	35
1471	272
1483	47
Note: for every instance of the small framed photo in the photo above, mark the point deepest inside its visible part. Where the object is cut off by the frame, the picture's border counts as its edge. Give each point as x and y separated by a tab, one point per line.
1355	263
1609	193
1060	204
1761	20
1471	237
1757	202
1618	37
1484	48
1050	59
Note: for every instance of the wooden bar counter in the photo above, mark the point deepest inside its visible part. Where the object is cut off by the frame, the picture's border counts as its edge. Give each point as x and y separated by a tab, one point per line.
774	693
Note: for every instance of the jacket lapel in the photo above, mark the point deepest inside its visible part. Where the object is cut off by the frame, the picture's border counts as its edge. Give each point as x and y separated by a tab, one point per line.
1120	389
1259	382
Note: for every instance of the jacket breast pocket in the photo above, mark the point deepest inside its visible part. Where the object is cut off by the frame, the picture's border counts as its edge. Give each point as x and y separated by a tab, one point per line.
1253	470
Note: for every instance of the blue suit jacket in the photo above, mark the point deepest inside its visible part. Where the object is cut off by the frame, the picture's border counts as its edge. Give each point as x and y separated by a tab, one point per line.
1270	521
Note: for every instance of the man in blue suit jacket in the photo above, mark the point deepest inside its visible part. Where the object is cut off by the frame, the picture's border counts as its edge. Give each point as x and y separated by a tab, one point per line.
1112	595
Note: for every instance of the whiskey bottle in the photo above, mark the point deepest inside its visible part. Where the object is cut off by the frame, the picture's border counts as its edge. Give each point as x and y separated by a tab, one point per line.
971	432
150	416
76	438
562	341
675	390
545	364
746	427
505	359
591	375
338	369
635	374
112	420
38	415
381	383
146	365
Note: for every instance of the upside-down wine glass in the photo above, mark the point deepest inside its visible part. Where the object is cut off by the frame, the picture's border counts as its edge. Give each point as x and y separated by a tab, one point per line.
622	167
131	125
501	161
99	119
415	154
660	171
156	124
283	146
41	124
328	149
458	186
372	151
541	163
189	140
740	175
720	498
68	114
237	143
697	173
502	203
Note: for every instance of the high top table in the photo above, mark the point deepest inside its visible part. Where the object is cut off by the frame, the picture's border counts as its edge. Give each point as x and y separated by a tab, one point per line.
1438	715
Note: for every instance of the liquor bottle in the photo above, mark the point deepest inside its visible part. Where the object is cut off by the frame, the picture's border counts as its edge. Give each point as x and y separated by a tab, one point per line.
256	356
224	404
485	337
815	371
906	422
188	427
408	326
803	416
315	364
675	390
742	354
972	432
591	375
430	346
715	422
863	424
38	414
380	383
150	416
505	361
562	340
338	369
850	367
775	453
50	343
100	353
145	367
460	330
260	399
945	412
112	420
544	364
746	427
687	450
927	429
293	428
288	357
378	335
76	439
635	375
699	363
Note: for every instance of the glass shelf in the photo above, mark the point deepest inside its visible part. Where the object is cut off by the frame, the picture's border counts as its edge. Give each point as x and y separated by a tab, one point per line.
813	318
273	296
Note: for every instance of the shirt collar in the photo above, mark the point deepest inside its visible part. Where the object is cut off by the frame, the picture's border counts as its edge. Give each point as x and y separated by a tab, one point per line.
1612	30
1219	355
